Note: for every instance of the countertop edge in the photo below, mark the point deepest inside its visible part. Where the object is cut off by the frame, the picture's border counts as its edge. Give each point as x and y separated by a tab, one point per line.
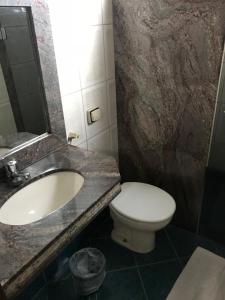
14	286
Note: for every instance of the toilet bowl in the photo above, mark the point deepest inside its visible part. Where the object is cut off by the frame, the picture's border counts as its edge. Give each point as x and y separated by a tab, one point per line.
138	212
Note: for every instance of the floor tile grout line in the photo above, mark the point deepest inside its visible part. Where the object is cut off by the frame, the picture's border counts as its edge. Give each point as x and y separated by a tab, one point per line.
142	265
135	259
173	247
157	262
135	267
122	269
142	283
45	278
38	292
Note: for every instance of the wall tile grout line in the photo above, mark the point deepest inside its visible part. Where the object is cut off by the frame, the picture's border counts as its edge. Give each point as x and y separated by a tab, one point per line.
100	82
103	129
108	131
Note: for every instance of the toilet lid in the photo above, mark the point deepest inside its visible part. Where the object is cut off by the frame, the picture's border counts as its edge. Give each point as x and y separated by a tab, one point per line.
144	202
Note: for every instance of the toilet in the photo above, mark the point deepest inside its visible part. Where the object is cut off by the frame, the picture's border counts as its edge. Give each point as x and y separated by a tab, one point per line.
138	212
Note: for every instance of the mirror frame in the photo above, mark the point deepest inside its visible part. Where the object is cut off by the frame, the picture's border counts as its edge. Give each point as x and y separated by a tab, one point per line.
45	51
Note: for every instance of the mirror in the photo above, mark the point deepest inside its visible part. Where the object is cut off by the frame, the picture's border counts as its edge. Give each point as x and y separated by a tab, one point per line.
22	97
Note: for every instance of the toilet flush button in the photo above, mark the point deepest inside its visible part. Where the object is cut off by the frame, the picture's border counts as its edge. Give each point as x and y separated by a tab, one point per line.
93	115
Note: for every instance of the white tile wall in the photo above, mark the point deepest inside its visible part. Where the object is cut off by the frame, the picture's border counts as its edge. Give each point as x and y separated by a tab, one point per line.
114	140
95	97
111	94
83	145
3	90
92	63
109	51
107	13
69	78
66	49
83	41
7	122
74	116
90	11
101	142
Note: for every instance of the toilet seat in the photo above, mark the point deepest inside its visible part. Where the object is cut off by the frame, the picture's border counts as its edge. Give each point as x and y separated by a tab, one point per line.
143	203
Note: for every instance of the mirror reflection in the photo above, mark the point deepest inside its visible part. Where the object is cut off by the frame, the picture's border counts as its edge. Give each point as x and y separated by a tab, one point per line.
22	99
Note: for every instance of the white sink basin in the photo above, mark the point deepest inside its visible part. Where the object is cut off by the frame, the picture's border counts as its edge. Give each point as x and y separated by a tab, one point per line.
40	198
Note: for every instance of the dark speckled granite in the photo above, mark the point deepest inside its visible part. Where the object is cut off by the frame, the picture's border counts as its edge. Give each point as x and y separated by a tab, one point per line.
26	249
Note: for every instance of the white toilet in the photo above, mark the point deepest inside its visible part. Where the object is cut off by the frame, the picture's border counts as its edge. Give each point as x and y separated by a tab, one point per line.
138	212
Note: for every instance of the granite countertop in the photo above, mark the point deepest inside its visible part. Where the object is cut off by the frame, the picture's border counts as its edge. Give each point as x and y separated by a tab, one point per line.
26	249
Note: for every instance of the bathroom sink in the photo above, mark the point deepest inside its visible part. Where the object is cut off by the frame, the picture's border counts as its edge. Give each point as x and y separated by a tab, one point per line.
40	198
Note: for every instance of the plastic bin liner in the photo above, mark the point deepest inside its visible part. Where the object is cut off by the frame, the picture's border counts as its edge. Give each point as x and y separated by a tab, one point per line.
88	269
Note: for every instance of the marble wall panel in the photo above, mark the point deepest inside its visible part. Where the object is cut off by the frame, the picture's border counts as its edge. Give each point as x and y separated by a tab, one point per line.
168	56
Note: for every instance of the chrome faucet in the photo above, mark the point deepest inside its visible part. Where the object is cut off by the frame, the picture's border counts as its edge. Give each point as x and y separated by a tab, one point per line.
11	168
15	178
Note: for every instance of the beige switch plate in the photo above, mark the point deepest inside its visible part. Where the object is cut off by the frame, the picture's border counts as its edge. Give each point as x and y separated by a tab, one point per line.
93	115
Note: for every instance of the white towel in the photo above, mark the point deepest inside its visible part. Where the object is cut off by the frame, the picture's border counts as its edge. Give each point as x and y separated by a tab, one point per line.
203	278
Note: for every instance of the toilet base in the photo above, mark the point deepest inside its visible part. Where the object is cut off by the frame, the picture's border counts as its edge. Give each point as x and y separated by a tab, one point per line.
136	240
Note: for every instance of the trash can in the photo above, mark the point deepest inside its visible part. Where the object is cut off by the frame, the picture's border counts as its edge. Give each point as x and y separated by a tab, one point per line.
88	269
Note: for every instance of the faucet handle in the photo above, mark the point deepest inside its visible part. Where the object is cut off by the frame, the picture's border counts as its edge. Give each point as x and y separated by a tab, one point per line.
11	168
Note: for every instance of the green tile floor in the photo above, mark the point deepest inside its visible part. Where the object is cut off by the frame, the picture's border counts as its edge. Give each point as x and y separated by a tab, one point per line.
130	276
